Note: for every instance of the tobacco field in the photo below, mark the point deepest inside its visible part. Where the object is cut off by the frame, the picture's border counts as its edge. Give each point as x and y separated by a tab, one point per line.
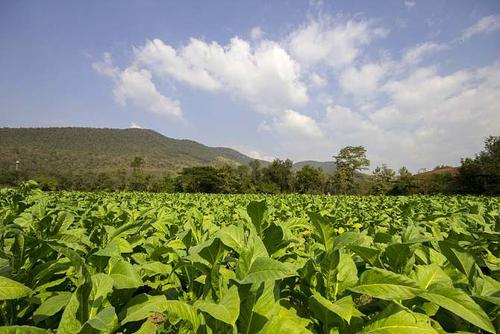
74	262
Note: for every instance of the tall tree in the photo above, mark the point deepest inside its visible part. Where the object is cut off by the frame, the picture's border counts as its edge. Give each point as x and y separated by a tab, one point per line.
482	174
382	180
309	180
137	180
279	173
351	159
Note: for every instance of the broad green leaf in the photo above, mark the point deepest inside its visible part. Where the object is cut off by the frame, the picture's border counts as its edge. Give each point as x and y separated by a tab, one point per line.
458	302
22	330
51	306
324	229
401	322
458	257
257	212
286	322
370	255
384	284
184	311
343	307
102	285
264	268
232	236
226	310
142	306
147	328
124	275
73	315
10	289
105	320
431	274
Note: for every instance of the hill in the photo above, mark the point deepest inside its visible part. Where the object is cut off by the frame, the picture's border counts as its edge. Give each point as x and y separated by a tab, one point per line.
82	150
78	151
327	166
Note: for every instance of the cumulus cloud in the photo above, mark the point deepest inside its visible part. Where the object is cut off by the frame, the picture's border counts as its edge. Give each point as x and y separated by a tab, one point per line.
318	80
264	75
256	33
332	41
427	119
486	24
135	86
364	80
417	53
410	4
134	125
295	126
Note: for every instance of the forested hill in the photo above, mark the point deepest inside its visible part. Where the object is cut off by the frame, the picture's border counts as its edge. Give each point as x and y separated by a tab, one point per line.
44	151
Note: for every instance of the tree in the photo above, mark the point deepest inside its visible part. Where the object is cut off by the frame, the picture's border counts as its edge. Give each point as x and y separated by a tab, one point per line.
351	159
279	173
199	180
309	180
405	183
137	180
256	173
481	175
382	181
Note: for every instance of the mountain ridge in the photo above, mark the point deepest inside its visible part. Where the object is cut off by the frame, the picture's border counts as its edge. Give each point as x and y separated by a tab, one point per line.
85	149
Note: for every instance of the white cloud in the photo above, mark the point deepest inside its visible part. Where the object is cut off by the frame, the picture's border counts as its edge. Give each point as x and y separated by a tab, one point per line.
134	125
318	80
135	85
429	119
253	153
256	33
294	126
486	24
410	4
417	53
265	74
335	42
364	81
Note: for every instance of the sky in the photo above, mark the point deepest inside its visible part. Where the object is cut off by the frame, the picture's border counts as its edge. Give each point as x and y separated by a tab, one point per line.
417	83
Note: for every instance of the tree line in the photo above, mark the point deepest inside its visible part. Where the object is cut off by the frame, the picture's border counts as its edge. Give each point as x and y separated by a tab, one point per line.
478	175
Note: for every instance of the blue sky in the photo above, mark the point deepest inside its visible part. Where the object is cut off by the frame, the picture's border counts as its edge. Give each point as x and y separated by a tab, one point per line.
415	82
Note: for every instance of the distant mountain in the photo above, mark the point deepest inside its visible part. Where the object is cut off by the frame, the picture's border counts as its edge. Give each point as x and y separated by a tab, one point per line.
77	150
327	166
42	151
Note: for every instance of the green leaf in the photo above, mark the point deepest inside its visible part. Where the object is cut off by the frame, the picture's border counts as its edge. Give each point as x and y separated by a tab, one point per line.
232	236
323	228
431	274
10	289
458	257
384	284
124	275
22	330
402	322
142	306
147	328
264	268
458	302
257	212
102	285
228	308
184	311
343	307
105	320
51	306
286	322
370	255
72	317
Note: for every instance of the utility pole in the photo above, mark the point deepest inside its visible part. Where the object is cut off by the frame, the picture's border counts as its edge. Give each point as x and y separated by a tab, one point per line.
17	172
